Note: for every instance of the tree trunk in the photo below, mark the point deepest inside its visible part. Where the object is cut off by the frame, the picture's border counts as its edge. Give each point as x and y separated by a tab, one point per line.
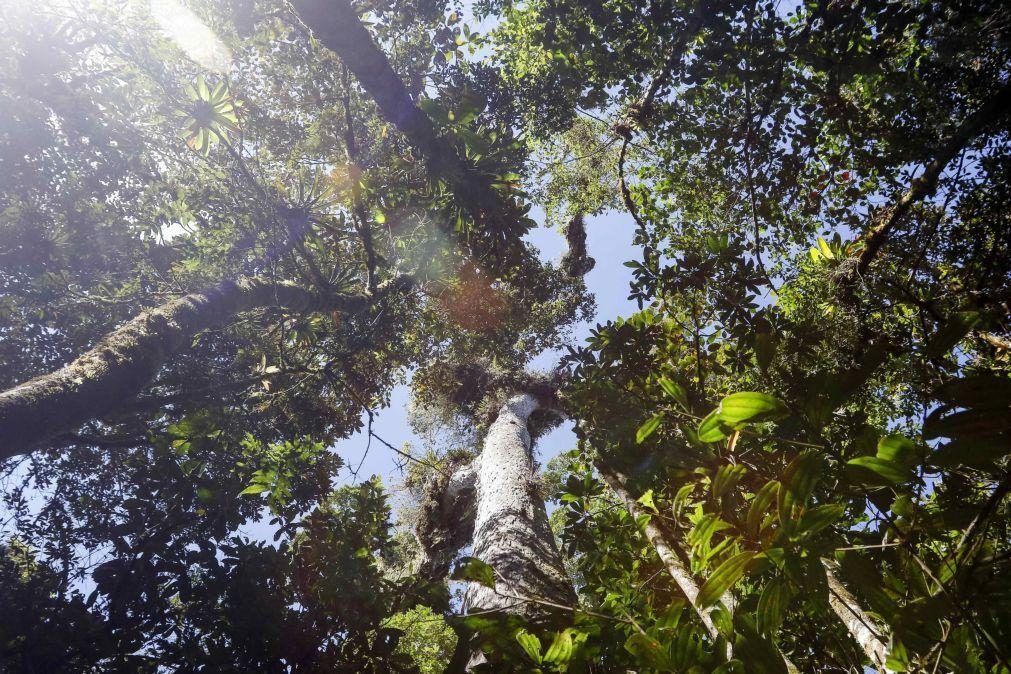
112	373
995	109
682	576
447	521
511	531
337	26
857	622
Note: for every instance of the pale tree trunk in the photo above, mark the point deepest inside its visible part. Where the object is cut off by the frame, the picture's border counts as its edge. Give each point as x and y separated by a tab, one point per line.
858	623
125	361
511	531
682	576
856	620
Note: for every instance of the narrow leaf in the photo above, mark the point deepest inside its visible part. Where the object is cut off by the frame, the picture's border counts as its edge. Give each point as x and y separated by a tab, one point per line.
648	428
530	644
725	576
772	606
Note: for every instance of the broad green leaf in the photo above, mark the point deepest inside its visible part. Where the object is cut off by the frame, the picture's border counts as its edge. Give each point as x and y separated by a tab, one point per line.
987	391
751	407
739	409
712	428
257	488
648	428
815	519
724	577
892	472
977	423
898	449
982	453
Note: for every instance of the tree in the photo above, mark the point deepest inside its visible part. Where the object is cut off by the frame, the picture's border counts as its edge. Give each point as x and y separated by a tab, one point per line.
216	263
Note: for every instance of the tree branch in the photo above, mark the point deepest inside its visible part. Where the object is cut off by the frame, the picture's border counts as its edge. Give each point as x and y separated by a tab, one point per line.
126	360
924	186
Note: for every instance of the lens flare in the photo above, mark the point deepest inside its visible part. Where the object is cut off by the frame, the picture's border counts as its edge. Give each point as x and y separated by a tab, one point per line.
192	35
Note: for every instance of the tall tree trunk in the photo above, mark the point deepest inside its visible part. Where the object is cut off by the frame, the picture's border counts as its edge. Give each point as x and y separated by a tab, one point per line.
126	360
511	531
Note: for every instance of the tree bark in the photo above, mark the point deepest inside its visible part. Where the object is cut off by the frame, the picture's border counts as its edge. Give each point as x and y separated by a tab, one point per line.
857	622
126	360
447	522
511	531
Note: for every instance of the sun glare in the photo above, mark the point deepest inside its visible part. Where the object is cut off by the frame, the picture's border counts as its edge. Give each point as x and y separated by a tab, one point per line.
191	34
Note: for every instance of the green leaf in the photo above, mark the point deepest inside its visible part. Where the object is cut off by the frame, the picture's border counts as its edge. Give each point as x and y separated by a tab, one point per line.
889	470
765	349
799	480
982	453
825	250
987	391
815	519
648	428
978	423
674	390
681	497
723	578
760	506
530	644
727	476
702	533
560	650
646	650
751	407
898	449
474	570
737	410
647	500
256	488
712	428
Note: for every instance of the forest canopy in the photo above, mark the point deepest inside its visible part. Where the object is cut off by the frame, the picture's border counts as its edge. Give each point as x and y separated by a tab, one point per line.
231	229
